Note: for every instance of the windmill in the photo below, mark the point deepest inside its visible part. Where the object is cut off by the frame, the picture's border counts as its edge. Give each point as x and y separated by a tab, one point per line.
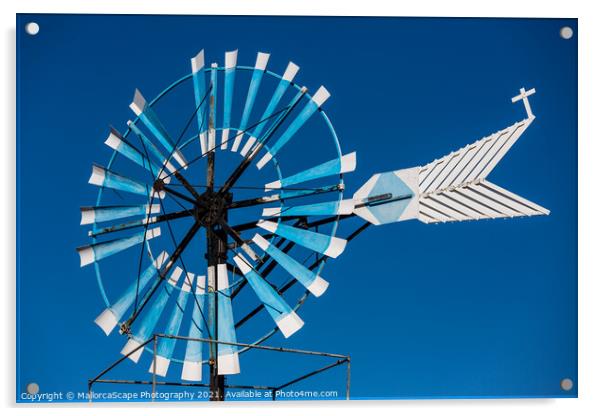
286	216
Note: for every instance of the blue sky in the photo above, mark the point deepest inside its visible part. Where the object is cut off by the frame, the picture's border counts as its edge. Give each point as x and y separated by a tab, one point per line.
479	309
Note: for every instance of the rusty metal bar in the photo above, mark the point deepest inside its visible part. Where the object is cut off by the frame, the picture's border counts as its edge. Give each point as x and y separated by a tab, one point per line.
312	373
259	347
154	367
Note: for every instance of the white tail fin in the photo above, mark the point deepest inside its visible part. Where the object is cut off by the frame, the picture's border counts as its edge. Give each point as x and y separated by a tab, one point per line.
452	188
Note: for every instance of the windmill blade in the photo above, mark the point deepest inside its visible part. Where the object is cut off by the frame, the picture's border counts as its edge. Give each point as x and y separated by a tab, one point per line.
285	82
94	215
452	188
98	251
110	317
227	362
192	370
145	328
116	142
166	346
283	315
148	117
152	149
316	101
108	179
310	280
213	109
198	81
261	64
320	243
229	78
343	164
344	207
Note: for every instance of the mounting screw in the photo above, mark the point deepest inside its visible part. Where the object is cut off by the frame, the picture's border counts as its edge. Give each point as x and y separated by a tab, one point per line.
566	384
32	28
32	388
566	32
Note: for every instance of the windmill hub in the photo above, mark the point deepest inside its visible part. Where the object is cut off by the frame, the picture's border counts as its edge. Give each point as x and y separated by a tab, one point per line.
211	207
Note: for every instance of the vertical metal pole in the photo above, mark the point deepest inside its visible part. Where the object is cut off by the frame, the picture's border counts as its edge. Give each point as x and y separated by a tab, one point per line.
220	257
348	377
154	367
216	382
90	391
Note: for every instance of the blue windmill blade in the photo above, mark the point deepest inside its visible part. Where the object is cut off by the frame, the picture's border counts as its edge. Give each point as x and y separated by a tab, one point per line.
110	317
283	315
310	280
316	101
98	251
213	110
227	355
199	84
344	207
153	150
192	370
116	142
343	164
261	64
148	117
108	179
94	215
229	79
283	85
166	346
145	328
320	243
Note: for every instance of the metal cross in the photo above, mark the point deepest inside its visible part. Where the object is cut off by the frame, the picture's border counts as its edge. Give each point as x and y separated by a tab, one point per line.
523	96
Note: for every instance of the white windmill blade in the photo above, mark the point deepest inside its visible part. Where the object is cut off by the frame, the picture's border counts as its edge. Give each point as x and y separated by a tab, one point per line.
227	355
166	347
316	101
283	315
98	251
452	188
260	66
192	369
94	215
344	164
110	317
229	78
312	281
200	89
283	85
109	179
148	117
320	243
145	328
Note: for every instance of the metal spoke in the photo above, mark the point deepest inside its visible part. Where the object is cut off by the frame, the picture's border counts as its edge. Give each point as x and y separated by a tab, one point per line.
277	197
292	282
176	255
141	223
267	136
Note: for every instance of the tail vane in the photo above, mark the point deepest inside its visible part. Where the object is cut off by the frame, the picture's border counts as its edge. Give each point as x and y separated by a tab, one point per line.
451	188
